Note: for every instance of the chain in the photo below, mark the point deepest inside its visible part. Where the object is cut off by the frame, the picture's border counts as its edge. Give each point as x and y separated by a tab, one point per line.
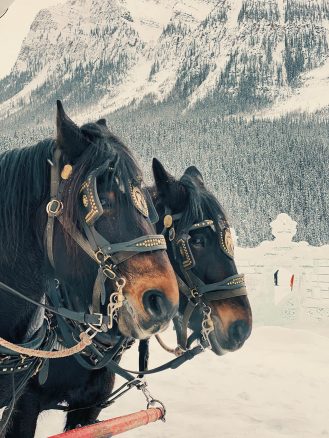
116	298
207	324
115	301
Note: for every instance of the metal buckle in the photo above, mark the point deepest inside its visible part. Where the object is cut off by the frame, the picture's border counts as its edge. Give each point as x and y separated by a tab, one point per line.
179	351
92	331
101	257
100	321
194	293
54	208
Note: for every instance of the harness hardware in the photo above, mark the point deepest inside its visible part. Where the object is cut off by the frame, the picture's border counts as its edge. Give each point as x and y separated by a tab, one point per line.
54	208
101	257
108	271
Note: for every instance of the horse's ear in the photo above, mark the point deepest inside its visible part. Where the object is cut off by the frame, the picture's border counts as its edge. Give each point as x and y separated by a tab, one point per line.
163	180
194	173
69	137
101	122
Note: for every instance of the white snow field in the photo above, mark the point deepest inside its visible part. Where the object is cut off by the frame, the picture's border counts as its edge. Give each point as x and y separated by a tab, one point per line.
276	386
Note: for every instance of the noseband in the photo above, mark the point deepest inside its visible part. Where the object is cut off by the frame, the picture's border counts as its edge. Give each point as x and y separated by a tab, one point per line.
108	256
196	291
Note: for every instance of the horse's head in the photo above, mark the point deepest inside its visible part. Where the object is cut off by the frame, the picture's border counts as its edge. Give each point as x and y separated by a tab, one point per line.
104	240
213	301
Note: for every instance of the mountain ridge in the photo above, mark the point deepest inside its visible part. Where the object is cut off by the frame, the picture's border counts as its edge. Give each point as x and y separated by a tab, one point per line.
105	55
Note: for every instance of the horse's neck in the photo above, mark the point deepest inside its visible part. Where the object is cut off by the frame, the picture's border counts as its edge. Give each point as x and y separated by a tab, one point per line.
77	295
24	272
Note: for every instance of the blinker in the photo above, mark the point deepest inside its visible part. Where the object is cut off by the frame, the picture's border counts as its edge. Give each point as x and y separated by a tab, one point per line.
139	200
226	242
90	196
153	215
186	254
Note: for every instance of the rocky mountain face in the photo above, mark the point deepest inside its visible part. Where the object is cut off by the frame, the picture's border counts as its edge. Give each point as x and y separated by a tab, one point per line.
107	54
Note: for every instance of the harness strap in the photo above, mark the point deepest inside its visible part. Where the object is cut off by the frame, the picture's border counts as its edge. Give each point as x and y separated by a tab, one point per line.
54	186
182	332
222	295
99	292
235	282
84	318
144	354
172	364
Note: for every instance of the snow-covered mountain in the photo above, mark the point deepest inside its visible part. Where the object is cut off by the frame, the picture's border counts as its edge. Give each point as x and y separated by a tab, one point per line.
106	54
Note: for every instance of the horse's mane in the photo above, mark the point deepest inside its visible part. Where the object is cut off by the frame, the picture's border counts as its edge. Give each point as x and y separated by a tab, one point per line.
104	146
24	184
25	181
201	204
192	199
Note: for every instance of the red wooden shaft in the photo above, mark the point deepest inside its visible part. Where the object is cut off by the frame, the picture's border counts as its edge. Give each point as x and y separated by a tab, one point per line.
115	426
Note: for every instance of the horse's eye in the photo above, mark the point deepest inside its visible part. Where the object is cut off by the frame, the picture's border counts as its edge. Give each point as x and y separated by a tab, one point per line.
104	202
198	240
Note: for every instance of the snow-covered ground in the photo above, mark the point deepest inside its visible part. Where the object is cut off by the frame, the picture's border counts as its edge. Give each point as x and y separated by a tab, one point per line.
276	386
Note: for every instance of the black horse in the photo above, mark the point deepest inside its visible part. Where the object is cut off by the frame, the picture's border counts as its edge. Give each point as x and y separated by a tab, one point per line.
87	154
213	297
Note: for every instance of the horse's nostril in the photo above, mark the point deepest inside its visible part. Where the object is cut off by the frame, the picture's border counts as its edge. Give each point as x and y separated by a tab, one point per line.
238	331
156	304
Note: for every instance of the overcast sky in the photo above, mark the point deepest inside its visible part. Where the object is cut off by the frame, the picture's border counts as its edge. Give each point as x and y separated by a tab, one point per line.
14	26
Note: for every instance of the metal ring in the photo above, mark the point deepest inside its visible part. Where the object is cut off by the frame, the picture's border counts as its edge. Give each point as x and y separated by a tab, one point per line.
54	208
107	270
120	282
153	402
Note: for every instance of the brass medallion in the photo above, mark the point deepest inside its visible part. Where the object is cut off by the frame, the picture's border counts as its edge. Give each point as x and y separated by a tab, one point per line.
139	200
167	221
67	171
228	241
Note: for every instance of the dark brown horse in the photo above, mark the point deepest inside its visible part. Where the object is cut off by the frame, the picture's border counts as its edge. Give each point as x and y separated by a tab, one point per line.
88	158
213	297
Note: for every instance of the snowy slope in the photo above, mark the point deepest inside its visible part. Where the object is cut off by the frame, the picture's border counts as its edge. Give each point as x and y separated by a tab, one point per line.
312	96
276	386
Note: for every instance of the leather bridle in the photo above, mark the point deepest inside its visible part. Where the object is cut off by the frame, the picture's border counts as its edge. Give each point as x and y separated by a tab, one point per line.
198	293
107	255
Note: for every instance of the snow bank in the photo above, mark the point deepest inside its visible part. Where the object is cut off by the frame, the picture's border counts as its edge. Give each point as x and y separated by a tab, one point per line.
276	386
